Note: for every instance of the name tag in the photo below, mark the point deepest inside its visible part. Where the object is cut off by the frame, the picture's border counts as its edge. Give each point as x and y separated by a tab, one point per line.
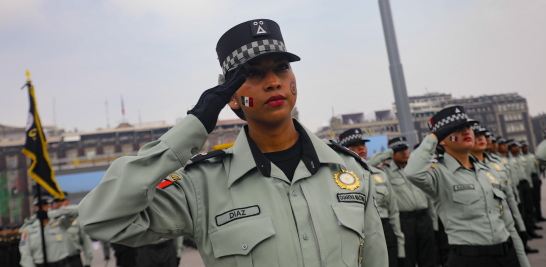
352	198
235	214
460	187
498	186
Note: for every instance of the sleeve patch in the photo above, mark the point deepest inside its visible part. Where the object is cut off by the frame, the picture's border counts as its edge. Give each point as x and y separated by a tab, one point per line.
166	183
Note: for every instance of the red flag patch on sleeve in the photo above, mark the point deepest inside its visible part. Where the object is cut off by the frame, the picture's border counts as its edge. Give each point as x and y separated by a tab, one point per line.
165	184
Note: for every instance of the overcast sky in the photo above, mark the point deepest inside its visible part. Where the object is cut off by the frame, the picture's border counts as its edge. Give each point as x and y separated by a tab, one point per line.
160	55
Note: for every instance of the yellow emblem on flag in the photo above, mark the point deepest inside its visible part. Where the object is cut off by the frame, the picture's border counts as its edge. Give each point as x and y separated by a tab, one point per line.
378	178
497	167
492	178
347	180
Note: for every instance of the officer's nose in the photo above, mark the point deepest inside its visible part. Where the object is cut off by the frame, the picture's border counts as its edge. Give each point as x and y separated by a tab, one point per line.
272	81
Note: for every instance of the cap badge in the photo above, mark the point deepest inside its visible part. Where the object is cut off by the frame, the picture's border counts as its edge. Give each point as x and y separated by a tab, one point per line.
356	131
457	110
347	180
259	27
493	180
378	178
497	167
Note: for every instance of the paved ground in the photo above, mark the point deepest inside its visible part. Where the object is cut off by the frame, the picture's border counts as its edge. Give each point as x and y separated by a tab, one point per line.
191	257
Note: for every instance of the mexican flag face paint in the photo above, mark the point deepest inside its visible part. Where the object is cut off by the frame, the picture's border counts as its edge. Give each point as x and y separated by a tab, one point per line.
453	138
247	101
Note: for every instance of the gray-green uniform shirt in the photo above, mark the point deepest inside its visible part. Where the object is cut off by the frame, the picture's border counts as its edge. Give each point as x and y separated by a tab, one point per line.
506	184
240	208
470	201
519	160
541	151
179	243
79	241
511	169
388	207
56	240
532	164
409	197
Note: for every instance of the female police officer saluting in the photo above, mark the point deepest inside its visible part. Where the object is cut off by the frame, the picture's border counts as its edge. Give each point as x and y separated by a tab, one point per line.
279	197
480	230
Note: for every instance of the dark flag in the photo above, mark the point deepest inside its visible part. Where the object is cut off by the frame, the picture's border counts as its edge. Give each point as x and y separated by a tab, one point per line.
35	148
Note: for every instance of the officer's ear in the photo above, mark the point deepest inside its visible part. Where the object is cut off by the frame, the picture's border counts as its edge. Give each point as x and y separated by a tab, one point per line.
233	103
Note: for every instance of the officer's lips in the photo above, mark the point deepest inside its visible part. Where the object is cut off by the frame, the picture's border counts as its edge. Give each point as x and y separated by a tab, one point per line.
467	139
275	100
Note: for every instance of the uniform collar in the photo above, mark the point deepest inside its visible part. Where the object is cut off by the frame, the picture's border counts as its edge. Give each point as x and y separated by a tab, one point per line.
453	164
246	156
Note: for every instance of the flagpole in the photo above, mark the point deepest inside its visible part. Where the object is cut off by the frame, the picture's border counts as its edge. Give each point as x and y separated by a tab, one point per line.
44	251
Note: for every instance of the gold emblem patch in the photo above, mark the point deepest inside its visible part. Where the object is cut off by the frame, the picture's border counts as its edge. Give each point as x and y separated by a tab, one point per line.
55	224
514	160
492	178
497	167
347	180
505	181
59	237
522	158
74	222
175	177
378	178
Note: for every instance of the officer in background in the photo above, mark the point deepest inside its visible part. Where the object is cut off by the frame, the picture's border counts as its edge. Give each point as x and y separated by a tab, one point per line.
416	211
478	153
468	196
56	222
354	140
4	245
533	167
524	186
279	197
78	240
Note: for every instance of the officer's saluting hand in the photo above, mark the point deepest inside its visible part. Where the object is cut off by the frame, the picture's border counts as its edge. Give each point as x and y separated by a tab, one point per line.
279	197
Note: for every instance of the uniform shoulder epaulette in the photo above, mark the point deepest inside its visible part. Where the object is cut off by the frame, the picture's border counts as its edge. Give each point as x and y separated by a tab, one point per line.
204	156
339	148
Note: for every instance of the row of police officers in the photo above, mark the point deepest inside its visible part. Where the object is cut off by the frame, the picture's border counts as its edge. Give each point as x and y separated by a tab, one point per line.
283	197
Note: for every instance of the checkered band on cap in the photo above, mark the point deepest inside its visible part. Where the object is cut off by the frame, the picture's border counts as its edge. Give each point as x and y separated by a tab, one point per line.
501	140
512	143
398	143
249	51
447	120
351	138
475	127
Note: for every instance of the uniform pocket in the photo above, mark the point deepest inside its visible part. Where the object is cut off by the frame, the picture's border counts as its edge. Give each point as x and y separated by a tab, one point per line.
398	181
500	196
239	239
382	196
465	199
351	220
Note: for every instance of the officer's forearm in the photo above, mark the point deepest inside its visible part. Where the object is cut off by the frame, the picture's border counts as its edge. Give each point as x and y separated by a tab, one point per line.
513	205
70	214
518	244
118	209
379	157
419	165
87	248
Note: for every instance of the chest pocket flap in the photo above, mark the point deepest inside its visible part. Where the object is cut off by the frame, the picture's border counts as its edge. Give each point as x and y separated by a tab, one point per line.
381	189
499	194
466	197
398	181
351	217
239	238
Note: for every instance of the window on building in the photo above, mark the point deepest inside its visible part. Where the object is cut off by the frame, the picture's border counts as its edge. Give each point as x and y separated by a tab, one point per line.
12	162
71	154
490	117
127	149
478	117
90	153
108	150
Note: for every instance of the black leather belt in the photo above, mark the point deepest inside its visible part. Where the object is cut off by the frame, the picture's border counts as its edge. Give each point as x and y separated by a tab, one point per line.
161	245
62	263
415	213
501	249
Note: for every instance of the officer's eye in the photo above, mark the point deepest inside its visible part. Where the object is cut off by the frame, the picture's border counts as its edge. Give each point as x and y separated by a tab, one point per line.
253	72
283	66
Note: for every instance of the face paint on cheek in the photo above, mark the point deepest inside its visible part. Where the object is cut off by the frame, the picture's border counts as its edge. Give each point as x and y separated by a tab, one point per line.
453	138
247	101
293	88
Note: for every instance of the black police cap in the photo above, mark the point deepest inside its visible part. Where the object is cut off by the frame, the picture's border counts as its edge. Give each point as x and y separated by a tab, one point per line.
249	40
398	142
449	116
351	136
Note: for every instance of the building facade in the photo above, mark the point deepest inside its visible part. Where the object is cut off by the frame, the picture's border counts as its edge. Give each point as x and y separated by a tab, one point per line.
539	127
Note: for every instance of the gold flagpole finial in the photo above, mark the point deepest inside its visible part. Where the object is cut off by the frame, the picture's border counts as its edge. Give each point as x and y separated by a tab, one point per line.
28	76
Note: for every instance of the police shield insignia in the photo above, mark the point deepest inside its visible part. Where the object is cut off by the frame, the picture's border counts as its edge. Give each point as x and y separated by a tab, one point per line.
378	178
497	167
493	180
347	180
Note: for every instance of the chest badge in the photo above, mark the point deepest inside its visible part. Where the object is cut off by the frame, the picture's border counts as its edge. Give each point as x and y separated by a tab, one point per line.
514	160
493	180
497	167
74	222
59	237
347	180
522	158
378	178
